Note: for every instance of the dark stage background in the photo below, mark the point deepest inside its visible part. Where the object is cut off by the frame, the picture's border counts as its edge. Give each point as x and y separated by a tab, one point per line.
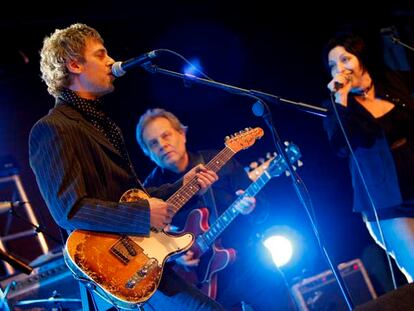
255	46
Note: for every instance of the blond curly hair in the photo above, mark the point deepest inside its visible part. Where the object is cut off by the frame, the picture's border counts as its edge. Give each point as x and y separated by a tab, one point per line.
61	46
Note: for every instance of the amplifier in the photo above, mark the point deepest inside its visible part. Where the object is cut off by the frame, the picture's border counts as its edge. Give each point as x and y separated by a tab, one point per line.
49	278
322	292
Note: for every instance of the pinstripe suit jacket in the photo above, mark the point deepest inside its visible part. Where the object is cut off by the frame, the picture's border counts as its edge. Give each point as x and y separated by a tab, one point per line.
82	176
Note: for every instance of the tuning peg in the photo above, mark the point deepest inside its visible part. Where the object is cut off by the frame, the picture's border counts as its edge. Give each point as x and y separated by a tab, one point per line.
254	165
226	138
287	173
300	163
286	143
261	160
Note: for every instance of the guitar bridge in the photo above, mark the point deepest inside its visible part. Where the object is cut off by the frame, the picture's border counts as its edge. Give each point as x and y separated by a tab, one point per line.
151	265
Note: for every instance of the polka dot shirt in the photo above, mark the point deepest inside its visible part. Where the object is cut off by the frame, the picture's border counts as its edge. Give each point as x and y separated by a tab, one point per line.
92	113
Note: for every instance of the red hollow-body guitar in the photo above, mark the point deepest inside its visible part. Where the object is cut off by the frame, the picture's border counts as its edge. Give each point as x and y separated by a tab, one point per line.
213	257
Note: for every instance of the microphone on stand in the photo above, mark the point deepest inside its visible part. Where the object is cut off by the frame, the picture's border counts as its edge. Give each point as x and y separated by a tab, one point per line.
120	68
388	31
391	32
338	86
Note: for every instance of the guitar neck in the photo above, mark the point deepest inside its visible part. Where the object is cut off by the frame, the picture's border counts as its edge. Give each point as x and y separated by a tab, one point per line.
186	192
225	219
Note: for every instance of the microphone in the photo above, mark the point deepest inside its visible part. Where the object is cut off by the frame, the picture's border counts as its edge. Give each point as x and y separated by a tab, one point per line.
120	68
5	206
338	86
388	31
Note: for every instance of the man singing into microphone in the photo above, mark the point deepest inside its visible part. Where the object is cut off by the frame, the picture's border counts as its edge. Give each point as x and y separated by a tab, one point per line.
82	166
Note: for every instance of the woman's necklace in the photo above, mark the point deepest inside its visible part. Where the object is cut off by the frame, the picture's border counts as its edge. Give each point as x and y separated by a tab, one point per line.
363	92
366	90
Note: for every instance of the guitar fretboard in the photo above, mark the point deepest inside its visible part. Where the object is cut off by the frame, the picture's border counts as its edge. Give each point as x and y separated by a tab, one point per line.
185	193
231	212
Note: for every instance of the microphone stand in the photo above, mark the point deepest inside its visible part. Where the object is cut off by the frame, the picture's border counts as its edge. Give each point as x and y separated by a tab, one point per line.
259	110
37	228
396	40
188	79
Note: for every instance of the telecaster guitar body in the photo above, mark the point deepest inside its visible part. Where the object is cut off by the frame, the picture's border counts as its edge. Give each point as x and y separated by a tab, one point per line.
126	270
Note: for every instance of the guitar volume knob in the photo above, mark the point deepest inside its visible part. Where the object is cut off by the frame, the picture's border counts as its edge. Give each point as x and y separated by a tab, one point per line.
143	272
131	284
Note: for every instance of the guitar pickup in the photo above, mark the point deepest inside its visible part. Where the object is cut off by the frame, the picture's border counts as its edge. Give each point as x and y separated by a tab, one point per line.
125	248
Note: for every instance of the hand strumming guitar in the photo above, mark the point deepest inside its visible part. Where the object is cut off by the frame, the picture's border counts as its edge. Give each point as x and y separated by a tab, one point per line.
161	213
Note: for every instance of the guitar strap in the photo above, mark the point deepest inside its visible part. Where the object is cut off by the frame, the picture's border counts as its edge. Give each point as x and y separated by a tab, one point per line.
208	197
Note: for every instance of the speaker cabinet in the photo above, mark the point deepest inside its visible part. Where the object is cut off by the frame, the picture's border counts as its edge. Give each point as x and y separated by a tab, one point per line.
322	292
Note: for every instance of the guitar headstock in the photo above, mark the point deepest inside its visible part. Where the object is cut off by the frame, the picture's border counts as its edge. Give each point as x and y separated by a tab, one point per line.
243	139
275	164
256	168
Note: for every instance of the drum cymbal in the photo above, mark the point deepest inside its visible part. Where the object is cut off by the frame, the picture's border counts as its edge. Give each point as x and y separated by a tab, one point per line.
64	303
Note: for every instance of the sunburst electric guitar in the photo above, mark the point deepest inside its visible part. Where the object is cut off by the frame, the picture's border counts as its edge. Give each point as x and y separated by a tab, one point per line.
126	270
213	257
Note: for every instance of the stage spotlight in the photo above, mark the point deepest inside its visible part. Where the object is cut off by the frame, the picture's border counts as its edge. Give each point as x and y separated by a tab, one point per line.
281	249
194	68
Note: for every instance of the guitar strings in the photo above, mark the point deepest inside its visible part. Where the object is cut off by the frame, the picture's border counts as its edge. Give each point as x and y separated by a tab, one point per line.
185	193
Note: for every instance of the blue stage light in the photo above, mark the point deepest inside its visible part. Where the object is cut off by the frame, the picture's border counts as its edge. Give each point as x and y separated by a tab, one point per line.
193	69
281	249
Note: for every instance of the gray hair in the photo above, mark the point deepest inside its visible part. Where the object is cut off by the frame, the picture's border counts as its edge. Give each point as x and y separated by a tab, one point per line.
150	115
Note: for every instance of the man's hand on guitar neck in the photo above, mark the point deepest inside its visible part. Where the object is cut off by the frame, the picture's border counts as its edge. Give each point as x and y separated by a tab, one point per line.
161	213
205	178
246	205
